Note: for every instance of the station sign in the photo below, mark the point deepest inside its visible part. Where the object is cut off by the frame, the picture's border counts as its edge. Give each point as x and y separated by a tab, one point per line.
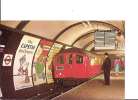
104	40
7	60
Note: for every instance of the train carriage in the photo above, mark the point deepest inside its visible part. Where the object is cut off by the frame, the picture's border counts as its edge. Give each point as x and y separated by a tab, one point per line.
75	64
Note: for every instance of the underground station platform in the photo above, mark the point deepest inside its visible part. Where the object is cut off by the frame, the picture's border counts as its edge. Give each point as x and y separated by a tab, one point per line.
95	89
62	60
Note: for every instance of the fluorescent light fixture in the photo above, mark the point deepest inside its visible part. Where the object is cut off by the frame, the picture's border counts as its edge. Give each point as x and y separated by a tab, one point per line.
2	46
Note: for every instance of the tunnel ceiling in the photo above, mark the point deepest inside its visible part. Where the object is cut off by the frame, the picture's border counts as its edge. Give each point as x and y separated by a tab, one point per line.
74	33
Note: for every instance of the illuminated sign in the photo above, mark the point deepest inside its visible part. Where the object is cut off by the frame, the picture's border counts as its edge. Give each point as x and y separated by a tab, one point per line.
104	40
2	48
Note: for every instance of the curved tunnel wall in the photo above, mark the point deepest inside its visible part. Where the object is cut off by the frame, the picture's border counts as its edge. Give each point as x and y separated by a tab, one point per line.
41	48
23	78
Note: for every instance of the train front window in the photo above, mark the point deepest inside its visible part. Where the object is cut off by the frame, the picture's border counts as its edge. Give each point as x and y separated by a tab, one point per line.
61	59
79	59
69	59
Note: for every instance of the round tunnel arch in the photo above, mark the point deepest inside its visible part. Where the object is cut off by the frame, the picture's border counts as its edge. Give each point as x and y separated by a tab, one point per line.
73	25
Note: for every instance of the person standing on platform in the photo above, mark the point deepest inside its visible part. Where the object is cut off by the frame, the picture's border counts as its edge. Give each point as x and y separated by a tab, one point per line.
117	65
106	68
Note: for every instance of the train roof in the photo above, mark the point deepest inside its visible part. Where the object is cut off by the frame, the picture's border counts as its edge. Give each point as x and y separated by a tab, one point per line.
72	50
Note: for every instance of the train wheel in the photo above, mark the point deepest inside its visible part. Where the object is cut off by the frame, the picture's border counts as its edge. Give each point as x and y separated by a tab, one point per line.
59	83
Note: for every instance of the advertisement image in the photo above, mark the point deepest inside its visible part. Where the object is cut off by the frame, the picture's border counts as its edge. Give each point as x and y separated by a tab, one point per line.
22	67
40	61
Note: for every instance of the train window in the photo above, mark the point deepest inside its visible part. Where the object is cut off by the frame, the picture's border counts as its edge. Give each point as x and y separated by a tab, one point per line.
92	61
61	59
79	59
69	59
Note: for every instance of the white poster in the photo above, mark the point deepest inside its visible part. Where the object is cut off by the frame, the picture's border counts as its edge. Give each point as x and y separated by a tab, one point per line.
22	81
23	60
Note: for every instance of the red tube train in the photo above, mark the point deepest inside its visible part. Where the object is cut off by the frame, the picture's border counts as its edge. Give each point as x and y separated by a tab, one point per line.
75	64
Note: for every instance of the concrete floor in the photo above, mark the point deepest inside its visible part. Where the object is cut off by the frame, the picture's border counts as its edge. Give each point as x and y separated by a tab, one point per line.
96	90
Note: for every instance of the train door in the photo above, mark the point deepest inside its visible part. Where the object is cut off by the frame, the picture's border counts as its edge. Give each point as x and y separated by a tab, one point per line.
79	66
69	67
60	66
88	63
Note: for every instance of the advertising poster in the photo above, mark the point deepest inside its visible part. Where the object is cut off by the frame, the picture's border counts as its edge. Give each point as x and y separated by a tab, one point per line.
39	63
54	50
22	67
21	82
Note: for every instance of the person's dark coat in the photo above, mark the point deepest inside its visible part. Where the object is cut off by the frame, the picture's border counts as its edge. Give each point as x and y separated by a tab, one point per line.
106	64
106	68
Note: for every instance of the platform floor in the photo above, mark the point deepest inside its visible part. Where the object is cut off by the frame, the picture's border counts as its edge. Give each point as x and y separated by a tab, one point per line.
96	90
